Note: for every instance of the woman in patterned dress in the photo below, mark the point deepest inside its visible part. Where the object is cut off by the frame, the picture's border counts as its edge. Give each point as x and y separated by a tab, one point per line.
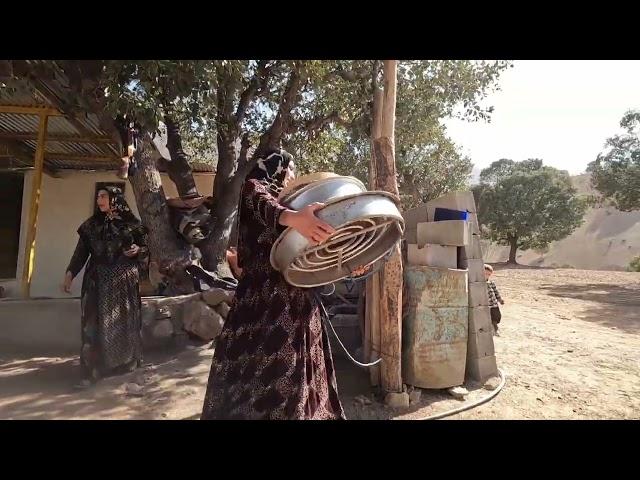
272	359
113	240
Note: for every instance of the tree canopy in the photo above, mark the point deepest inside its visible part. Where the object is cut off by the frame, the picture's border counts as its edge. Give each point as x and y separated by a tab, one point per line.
527	204
227	112
616	171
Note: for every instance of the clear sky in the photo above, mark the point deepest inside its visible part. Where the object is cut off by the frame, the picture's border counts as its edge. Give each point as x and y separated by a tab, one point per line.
561	111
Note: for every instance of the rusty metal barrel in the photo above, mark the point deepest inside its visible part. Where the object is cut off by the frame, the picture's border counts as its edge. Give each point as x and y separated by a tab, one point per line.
435	326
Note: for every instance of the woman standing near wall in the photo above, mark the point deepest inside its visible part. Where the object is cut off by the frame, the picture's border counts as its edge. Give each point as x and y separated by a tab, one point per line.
113	240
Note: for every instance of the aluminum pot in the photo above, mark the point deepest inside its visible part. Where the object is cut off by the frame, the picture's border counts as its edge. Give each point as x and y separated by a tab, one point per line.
368	225
323	191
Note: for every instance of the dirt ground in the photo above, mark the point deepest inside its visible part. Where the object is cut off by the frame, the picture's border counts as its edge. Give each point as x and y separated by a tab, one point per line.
569	347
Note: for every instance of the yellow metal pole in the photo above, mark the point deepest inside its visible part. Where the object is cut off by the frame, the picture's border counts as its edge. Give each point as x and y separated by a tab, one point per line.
24	110
36	186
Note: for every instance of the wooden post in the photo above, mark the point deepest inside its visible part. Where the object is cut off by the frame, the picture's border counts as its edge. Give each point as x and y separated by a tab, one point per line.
36	186
390	297
372	319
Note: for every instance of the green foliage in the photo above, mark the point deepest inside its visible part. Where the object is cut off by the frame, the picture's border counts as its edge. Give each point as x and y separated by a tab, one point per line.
528	203
634	265
430	170
428	163
330	123
616	171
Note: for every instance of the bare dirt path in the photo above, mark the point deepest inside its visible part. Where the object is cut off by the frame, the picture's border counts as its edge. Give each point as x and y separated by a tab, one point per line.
569	345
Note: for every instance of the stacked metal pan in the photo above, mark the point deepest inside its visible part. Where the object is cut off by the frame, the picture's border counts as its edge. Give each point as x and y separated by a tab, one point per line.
368	225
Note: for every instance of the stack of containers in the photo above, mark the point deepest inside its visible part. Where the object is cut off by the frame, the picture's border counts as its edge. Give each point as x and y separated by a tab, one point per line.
447	234
481	359
436	302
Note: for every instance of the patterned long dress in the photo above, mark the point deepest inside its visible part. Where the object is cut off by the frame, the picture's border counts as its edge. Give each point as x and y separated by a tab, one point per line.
111	305
272	359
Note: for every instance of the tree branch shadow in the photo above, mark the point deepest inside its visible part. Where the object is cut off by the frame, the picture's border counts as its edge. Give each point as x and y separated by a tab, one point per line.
617	305
42	388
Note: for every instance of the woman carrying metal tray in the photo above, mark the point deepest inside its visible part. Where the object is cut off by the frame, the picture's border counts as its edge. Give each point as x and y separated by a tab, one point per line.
272	359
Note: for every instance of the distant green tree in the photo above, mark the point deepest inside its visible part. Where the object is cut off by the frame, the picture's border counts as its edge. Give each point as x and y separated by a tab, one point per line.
616	171
527	205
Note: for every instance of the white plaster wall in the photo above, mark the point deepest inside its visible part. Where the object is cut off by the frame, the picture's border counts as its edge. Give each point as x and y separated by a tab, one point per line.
65	203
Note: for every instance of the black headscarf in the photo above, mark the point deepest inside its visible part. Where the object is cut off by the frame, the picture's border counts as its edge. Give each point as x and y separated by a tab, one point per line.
119	206
123	223
271	170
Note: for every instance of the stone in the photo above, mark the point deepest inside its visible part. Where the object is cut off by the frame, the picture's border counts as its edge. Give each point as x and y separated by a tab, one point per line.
362	400
202	320
210	325
480	369
442	256
480	320
446	232
478	294
191	314
162	329
459	393
172	301
462	201
144	379
215	296
411	219
223	309
133	390
472	251
397	400
476	270
474	225
492	383
415	396
480	345
176	315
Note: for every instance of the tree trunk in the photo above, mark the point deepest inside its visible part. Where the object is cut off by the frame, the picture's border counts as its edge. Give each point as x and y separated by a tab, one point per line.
233	162
513	243
372	311
390	302
164	246
226	195
214	248
178	168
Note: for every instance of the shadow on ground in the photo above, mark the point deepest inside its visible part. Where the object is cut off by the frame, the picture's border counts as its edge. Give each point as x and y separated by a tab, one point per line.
615	305
43	387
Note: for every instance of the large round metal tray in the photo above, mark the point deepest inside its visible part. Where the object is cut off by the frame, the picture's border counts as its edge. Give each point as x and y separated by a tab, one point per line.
323	191
367	224
299	182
